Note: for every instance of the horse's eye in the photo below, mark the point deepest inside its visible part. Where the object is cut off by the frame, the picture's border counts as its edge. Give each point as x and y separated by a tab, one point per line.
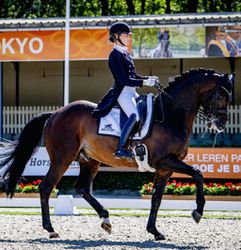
221	97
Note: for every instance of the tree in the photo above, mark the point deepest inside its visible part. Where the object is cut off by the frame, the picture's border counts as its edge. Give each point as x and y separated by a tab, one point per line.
168	7
56	8
192	6
130	7
104	7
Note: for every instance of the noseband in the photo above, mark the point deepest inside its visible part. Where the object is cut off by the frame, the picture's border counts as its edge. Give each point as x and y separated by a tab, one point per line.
213	110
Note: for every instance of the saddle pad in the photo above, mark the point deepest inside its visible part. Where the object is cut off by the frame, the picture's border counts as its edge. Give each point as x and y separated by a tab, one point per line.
110	124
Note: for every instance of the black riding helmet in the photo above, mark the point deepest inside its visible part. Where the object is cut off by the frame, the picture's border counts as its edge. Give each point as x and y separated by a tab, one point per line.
117	29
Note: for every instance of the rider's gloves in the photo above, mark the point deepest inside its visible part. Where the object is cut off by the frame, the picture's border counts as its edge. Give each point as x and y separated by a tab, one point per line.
149	82
155	78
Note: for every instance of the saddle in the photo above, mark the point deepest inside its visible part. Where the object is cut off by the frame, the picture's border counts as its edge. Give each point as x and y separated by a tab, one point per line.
112	123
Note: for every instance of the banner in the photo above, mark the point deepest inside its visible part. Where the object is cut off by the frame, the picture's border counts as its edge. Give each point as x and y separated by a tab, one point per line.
173	42
176	42
187	42
218	163
223	41
49	45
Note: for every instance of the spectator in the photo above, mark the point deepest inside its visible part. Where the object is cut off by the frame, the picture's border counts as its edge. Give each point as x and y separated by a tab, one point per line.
234	38
219	45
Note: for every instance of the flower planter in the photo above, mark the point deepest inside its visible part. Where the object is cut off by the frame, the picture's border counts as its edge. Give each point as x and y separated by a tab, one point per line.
213	191
27	195
193	197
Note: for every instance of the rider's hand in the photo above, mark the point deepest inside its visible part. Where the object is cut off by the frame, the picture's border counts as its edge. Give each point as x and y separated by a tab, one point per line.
149	82
155	78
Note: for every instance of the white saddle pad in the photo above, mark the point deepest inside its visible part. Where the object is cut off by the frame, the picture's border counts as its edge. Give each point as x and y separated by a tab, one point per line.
110	124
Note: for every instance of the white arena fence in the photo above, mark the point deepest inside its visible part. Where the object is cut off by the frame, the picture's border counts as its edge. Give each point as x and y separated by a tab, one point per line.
15	118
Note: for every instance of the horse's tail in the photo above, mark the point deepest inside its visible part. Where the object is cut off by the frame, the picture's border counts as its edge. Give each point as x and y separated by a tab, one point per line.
15	160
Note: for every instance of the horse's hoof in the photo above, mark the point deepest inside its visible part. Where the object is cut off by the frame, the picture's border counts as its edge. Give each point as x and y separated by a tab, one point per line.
53	235
156	233
106	227
196	216
160	237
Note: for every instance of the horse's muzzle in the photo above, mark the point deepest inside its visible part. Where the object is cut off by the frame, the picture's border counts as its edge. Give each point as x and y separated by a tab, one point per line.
218	124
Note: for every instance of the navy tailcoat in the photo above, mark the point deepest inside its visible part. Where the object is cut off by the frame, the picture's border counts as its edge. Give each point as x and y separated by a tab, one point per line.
123	71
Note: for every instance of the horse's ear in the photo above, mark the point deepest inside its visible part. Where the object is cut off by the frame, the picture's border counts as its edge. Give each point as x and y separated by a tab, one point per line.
225	75
231	77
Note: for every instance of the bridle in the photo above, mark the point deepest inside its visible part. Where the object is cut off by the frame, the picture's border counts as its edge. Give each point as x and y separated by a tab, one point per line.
205	114
213	111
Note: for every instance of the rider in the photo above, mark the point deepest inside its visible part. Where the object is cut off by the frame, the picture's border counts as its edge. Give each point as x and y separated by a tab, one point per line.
123	90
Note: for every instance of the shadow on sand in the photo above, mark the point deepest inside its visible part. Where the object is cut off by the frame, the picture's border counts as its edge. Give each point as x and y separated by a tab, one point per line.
88	244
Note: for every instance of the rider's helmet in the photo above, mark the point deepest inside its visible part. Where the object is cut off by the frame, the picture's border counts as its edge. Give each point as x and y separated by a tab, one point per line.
117	29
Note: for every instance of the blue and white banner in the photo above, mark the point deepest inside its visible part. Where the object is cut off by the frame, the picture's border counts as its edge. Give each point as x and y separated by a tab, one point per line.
39	164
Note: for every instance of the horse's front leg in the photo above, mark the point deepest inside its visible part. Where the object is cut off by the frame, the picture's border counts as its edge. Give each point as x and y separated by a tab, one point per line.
179	166
159	187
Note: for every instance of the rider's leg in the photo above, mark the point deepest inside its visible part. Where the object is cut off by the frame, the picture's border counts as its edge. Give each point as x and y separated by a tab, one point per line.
127	101
121	151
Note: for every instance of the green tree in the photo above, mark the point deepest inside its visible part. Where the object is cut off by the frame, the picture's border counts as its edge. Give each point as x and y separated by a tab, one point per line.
56	8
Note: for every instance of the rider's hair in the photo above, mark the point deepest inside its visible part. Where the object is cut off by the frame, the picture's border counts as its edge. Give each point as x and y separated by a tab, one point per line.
112	38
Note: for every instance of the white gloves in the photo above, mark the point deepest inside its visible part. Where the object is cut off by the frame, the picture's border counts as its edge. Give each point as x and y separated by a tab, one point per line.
151	81
155	78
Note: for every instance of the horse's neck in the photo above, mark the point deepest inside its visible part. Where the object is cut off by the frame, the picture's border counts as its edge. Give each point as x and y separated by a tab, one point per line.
184	107
186	97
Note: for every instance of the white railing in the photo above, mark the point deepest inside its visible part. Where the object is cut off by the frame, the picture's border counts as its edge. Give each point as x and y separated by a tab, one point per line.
232	126
15	118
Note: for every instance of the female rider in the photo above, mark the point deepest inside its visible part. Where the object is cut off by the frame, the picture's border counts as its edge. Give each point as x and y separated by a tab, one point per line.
123	90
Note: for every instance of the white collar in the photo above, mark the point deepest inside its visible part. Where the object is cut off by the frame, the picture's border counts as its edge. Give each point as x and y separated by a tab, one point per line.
121	49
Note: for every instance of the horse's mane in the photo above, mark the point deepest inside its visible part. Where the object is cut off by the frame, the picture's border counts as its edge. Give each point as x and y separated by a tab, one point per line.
188	74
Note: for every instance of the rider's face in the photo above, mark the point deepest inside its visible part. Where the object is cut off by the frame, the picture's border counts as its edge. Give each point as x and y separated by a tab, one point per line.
125	38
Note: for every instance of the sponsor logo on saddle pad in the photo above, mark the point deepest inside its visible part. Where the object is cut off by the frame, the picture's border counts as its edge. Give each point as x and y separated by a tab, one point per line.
107	127
110	124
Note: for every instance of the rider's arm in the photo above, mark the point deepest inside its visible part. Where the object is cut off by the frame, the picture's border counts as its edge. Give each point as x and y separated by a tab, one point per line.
141	77
120	74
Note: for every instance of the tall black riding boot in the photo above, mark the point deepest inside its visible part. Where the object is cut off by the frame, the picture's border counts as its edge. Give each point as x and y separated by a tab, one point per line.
121	151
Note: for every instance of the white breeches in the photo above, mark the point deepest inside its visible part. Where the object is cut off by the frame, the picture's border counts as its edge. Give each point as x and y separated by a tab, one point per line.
127	101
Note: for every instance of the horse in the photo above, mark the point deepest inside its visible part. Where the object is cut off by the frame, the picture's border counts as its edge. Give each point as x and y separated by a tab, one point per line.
70	134
162	50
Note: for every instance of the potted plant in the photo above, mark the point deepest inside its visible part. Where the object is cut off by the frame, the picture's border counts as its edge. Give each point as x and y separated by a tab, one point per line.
180	190
30	190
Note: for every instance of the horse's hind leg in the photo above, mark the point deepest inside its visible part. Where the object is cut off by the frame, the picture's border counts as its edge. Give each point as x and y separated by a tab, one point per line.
88	170
49	182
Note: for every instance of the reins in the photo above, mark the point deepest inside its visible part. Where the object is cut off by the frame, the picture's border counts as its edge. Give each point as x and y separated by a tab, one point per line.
200	113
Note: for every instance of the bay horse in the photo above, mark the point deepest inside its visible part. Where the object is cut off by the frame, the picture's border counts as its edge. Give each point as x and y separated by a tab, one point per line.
70	134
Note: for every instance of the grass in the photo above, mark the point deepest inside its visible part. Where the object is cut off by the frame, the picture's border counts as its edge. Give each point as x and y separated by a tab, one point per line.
168	214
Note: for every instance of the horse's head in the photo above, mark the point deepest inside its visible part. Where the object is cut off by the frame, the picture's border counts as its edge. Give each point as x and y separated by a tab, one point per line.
216	99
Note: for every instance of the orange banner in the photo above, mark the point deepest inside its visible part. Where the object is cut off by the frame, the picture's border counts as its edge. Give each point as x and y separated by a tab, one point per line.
49	45
218	163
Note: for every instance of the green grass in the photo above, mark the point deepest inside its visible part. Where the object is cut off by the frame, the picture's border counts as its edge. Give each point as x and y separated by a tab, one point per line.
20	213
112	214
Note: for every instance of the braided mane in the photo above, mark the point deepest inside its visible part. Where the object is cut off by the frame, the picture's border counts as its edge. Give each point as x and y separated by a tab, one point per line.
190	74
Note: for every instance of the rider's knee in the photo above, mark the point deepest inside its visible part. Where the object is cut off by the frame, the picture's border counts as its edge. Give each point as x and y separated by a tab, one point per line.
134	116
